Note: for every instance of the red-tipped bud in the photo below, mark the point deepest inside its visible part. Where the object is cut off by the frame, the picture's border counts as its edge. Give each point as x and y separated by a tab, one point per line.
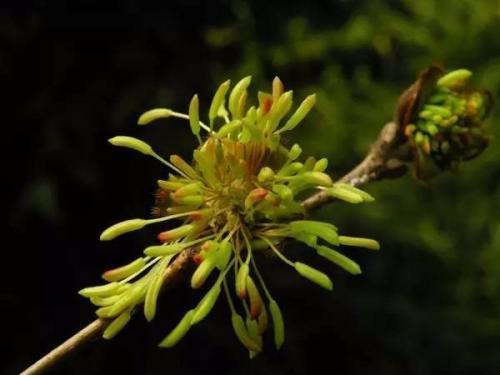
255	298
256	195
241	277
174	234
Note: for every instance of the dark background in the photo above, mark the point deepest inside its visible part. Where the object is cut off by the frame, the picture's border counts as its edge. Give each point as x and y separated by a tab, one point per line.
428	303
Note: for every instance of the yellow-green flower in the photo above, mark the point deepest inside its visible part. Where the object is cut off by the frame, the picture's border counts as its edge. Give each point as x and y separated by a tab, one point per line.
238	197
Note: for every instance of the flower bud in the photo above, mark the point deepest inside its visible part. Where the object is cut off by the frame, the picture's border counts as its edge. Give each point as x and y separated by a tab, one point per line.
122	272
317	178
359	242
100	291
341	260
236	93
241	278
280	109
218	100
132	143
194	116
154	114
262	321
242	333
224	254
121	228
174	234
129	299
229	128
455	78
179	331
116	325
168	185
253	332
206	304
321	165
294	152
183	166
266	174
202	272
188	189
104	301
278	324
162	250
341	193
256	195
277	89
326	231
193	201
364	195
314	275
152	292
255	298
284	192
299	114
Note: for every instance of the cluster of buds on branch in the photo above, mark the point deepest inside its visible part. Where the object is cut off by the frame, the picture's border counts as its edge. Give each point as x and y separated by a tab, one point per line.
240	196
442	117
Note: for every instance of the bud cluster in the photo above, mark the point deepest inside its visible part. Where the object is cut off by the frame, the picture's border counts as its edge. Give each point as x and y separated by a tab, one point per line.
238	197
447	128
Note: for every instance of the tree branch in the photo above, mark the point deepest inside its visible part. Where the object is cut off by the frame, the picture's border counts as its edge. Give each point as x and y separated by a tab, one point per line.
97	327
387	158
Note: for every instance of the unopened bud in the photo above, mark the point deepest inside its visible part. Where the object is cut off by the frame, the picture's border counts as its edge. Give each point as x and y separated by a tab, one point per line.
255	298
340	259
455	78
277	89
122	228
321	165
174	234
202	272
236	94
183	166
300	113
241	278
132	143
278	323
266	174
116	325
294	152
218	100
367	243
256	195
206	304
242	333
314	275
179	331
122	272
162	250
194	116
154	114
101	290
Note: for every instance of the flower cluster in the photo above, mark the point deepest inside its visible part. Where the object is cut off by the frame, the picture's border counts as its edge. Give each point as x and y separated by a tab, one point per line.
238	197
447	127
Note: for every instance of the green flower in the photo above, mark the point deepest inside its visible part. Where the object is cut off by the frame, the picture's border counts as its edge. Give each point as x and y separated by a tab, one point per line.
445	127
240	196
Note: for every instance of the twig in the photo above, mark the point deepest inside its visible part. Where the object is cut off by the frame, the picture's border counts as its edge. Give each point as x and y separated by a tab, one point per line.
97	327
386	159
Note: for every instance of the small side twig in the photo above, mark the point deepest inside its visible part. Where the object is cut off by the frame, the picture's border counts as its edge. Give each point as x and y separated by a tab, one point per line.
386	159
